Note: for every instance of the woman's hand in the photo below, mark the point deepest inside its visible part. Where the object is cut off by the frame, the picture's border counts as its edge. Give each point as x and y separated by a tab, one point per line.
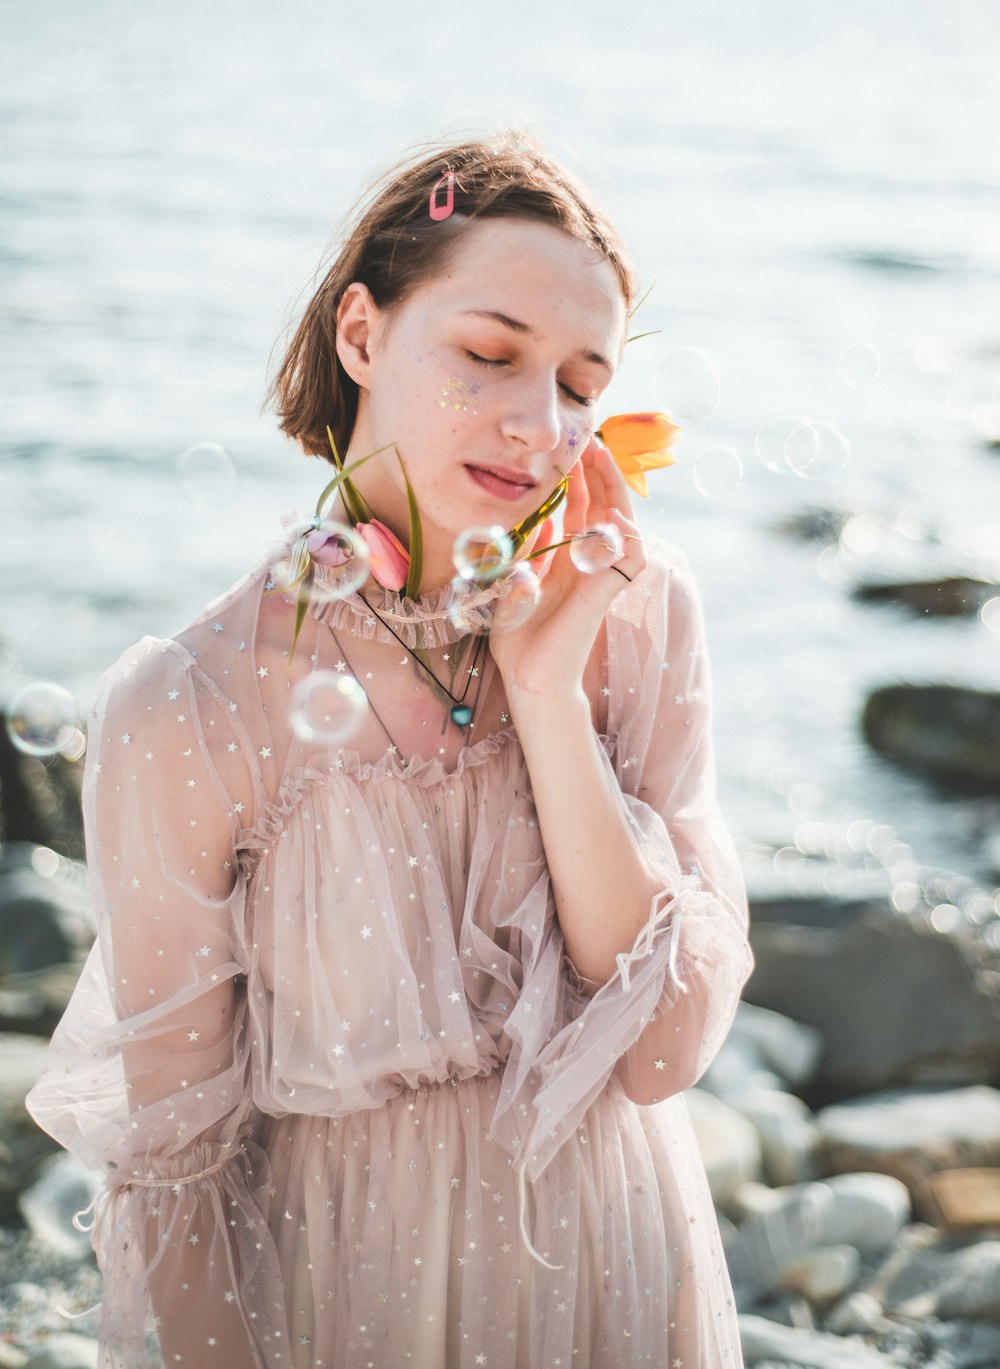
545	656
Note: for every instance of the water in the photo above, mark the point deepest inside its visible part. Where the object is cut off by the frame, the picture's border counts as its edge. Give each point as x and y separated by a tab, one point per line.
796	179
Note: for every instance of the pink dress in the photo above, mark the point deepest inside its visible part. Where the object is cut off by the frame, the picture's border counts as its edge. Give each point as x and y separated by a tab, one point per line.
353	1105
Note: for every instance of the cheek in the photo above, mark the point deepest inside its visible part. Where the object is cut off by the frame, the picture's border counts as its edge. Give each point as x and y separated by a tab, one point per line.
458	395
578	434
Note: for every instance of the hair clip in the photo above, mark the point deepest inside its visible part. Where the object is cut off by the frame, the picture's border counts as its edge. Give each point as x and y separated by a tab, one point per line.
443	211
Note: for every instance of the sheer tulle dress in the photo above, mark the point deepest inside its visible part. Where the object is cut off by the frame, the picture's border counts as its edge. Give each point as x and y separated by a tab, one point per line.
353	1105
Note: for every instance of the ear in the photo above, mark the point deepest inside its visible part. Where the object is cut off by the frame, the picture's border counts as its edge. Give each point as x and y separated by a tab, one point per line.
357	322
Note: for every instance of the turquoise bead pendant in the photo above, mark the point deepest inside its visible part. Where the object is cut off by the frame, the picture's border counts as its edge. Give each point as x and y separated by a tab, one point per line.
461	715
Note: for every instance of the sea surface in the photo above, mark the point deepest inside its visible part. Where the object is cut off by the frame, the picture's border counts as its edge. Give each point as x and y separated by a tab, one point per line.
813	193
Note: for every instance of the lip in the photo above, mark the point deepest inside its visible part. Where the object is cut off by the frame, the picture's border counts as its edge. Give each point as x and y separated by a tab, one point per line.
502	481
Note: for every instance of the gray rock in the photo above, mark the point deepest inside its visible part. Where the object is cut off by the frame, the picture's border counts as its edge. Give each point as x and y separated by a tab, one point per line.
954	596
65	1351
23	1145
34	1002
11	1357
64	1187
947	731
785	1046
728	1143
764	1340
952	1283
911	1133
865	1211
44	909
895	1002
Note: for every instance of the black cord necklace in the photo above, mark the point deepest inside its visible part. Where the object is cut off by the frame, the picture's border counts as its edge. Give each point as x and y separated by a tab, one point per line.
459	711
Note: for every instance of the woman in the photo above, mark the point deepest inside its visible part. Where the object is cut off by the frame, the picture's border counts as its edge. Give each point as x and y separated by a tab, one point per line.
368	1040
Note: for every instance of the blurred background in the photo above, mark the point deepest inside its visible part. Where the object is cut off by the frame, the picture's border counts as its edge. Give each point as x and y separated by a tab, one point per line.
812	194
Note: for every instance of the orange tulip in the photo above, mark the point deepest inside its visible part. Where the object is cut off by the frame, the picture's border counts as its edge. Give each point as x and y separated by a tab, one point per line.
639	443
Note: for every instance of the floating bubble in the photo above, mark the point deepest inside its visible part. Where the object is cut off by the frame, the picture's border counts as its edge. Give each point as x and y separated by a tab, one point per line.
816	450
859	365
208	476
686	384
717	471
990	613
43	719
463	604
341	560
480	555
522	591
771	439
597	548
328	707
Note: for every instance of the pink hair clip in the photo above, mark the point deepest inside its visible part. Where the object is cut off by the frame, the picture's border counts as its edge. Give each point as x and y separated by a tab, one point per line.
443	211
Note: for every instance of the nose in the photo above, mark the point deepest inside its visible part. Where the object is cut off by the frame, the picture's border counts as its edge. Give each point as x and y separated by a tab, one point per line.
532	414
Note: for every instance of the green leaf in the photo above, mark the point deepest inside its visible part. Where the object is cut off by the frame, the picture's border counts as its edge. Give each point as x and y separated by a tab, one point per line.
636	336
353	502
520	534
640	302
416	538
305	594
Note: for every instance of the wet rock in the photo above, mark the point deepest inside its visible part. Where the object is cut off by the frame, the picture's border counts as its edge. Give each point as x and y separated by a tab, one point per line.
949	732
954	597
63	1187
895	1001
22	1144
65	1351
865	1211
910	1133
948	1283
765	1340
728	1143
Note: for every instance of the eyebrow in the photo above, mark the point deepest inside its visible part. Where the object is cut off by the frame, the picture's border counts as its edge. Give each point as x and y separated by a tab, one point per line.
517	326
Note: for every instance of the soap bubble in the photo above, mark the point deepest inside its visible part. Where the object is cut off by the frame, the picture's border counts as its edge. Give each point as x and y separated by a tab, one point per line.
717	471
480	555
463	606
990	613
816	450
686	384
328	707
207	476
597	548
43	718
771	439
519	601
859	365
341	560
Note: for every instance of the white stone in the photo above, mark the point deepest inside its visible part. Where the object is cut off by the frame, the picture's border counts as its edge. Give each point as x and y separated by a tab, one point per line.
65	1351
788	1135
858	1314
729	1145
824	1275
868	1211
63	1188
766	1340
790	1048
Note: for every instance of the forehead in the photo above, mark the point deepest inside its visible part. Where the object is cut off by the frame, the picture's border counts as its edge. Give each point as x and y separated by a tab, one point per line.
534	272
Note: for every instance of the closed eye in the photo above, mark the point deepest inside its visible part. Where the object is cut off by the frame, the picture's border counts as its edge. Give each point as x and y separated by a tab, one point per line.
496	362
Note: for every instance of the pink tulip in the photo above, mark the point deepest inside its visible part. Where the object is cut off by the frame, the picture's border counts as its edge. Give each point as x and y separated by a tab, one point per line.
390	561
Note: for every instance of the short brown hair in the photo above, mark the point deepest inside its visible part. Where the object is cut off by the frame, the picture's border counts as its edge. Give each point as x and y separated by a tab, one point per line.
393	245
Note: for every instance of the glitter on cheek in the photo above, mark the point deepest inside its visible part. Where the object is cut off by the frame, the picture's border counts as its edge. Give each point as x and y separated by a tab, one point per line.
459	395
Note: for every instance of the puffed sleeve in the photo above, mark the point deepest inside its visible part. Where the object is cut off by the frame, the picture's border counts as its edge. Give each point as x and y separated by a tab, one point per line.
148	1076
657	1022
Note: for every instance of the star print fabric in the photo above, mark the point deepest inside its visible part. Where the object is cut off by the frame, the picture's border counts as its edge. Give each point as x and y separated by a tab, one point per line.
352	1102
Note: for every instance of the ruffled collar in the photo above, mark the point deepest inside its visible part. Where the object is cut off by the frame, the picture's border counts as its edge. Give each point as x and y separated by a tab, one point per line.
422	622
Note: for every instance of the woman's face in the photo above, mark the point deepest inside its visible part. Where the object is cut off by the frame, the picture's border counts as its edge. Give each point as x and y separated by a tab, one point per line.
487	377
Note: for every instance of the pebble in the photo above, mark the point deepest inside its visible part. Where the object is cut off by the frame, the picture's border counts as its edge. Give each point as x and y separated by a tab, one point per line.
765	1340
64	1351
728	1143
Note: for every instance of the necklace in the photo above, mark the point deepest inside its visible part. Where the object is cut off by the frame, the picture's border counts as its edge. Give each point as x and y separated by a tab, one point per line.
460	712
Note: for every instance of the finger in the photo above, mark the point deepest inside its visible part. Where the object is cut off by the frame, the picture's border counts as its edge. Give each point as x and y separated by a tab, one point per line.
577	499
